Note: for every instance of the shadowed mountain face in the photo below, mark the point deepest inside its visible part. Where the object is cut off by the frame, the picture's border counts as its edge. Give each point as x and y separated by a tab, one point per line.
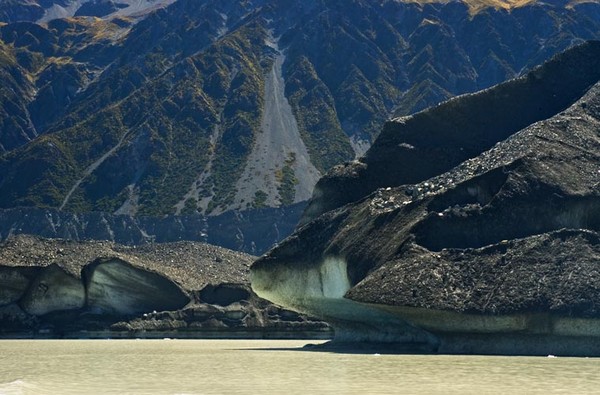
209	106
477	223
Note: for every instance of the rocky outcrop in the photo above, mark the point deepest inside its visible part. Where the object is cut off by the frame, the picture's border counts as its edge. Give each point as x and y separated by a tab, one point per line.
80	289
484	237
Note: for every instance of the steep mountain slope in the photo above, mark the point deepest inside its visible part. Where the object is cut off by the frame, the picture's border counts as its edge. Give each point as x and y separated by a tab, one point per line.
211	106
485	235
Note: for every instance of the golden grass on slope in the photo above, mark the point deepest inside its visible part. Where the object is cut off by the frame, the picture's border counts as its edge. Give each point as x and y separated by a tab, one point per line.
97	28
475	6
60	60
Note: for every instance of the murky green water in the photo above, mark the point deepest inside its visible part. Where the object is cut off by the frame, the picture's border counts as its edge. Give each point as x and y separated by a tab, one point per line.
272	367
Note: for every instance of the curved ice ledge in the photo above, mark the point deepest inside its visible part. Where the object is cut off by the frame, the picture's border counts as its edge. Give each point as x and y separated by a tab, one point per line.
286	284
319	291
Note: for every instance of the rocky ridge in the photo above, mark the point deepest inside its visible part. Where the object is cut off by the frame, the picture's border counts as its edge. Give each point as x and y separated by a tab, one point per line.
58	288
494	248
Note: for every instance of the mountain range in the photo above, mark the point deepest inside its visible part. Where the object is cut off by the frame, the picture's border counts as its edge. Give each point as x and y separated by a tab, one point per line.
204	107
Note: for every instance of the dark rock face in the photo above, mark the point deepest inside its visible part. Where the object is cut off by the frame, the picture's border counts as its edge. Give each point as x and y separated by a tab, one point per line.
251	231
494	249
59	288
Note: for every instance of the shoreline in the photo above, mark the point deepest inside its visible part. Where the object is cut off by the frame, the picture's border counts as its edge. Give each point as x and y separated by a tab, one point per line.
201	335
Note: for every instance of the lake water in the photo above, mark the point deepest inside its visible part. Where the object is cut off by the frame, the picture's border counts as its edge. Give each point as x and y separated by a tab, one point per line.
272	367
